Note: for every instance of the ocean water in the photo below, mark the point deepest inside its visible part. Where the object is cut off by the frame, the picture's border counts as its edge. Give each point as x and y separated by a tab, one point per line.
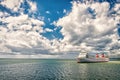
53	69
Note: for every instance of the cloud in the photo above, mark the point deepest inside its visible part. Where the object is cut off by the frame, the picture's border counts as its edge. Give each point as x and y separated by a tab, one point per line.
48	30
21	33
33	6
49	19
118	1
89	24
58	12
47	12
22	22
19	5
13	4
64	11
117	11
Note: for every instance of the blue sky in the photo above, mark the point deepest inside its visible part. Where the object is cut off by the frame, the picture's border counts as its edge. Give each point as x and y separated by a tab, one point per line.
53	10
56	11
56	27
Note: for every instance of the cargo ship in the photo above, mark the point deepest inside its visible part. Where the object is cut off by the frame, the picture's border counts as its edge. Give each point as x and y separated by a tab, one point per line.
93	57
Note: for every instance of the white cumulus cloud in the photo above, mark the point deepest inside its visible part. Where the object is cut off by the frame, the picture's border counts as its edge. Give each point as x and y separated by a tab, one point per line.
21	33
33	6
47	12
48	30
12	4
89	24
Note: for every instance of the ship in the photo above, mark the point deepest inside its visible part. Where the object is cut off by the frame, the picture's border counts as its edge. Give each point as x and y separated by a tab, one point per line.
93	57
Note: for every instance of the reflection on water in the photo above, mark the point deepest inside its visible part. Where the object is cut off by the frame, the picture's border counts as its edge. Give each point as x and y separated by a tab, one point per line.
17	69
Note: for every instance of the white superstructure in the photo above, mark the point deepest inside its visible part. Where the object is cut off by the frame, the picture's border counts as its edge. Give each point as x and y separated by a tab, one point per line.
98	56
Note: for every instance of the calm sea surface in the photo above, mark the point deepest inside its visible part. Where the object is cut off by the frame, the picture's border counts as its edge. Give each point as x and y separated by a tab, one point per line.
52	69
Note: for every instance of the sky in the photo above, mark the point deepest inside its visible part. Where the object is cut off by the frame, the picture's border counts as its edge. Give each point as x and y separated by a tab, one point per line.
58	28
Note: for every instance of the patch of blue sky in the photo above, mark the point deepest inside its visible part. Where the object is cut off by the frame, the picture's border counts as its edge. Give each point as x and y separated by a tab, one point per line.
92	12
119	30
52	10
9	11
25	6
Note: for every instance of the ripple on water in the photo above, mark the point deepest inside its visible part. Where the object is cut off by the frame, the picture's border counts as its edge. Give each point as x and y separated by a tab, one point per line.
60	70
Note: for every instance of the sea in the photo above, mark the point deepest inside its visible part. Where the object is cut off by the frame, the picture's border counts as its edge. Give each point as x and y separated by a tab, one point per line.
57	69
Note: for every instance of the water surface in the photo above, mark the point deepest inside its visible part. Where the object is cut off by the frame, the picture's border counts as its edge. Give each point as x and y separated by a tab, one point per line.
53	69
